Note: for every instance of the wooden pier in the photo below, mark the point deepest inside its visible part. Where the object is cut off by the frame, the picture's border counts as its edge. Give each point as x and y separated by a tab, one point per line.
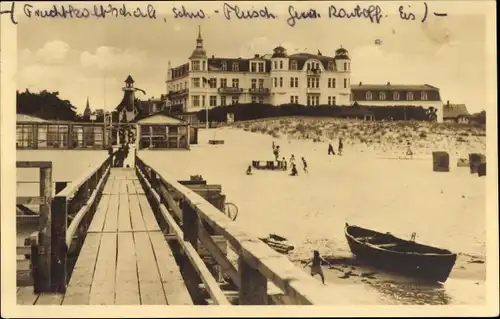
140	238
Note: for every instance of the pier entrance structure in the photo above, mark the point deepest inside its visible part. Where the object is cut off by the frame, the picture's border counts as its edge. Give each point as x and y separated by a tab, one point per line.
133	236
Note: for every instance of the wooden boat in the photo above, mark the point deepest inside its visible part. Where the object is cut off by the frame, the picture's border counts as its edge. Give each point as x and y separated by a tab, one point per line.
399	255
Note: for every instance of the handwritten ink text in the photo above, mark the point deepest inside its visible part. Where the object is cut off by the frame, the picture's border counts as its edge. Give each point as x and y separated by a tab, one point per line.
373	13
294	15
246	14
11	12
97	11
183	13
405	16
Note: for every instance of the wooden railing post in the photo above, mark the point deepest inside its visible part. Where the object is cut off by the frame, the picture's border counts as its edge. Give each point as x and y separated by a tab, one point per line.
58	241
253	285
190	233
35	263
45	241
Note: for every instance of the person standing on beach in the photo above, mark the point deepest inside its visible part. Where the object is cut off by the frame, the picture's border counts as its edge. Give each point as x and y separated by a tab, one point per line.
292	160
409	152
304	163
316	266
277	152
283	164
341	146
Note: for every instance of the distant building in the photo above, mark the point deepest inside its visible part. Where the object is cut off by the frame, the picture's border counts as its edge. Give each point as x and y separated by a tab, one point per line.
277	78
456	113
389	94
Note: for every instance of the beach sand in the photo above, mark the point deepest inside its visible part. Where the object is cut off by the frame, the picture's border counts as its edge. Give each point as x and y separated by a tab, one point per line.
401	196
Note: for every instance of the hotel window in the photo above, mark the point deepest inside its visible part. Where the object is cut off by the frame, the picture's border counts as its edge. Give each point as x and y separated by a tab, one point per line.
345	83
223	100
308	100
236	67
261	83
308	82
296	82
281	82
196	82
293	65
254	99
396	96
196	100
204	65
213	100
409	96
292	82
345	66
316	99
381	96
261	99
253	67
234	100
236	83
203	100
368	96
423	96
212	83
332	100
53	136
330	66
254	83
24	136
261	67
224	66
294	99
223	83
275	82
275	65
281	65
195	65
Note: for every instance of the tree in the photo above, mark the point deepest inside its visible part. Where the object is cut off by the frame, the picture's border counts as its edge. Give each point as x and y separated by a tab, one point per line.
45	105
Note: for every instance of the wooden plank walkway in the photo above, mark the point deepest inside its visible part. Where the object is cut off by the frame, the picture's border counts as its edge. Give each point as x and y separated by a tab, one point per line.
125	259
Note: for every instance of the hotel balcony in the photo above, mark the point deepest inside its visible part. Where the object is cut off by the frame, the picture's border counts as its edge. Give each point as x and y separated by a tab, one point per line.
313	91
230	90
259	91
314	72
178	94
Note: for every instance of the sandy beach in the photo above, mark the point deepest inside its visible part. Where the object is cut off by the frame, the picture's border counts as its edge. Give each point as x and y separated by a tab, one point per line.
361	187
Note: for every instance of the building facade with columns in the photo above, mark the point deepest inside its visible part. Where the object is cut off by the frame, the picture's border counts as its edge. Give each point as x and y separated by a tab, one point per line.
277	78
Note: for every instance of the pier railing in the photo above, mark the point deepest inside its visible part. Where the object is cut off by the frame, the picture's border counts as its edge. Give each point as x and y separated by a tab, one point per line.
193	222
68	216
25	270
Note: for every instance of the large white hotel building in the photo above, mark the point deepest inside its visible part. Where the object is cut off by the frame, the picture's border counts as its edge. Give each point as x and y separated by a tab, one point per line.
276	78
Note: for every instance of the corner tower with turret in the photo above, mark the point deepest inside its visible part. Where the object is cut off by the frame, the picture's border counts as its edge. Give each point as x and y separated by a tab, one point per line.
198	75
343	63
279	78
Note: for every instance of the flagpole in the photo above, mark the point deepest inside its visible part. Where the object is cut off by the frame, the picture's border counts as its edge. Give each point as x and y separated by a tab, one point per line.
206	105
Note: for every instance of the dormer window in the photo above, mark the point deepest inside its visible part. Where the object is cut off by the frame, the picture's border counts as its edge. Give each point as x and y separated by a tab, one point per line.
423	96
381	96
369	96
293	65
409	96
224	66
330	66
236	67
396	96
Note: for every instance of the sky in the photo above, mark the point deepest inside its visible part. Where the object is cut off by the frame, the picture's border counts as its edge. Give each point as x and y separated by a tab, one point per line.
91	58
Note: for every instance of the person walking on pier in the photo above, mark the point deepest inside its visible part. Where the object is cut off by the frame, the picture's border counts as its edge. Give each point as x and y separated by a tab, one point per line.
330	149
316	266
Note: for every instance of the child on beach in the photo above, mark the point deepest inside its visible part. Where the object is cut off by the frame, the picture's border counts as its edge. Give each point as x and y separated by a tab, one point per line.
304	163
292	160
294	171
316	265
283	164
409	152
